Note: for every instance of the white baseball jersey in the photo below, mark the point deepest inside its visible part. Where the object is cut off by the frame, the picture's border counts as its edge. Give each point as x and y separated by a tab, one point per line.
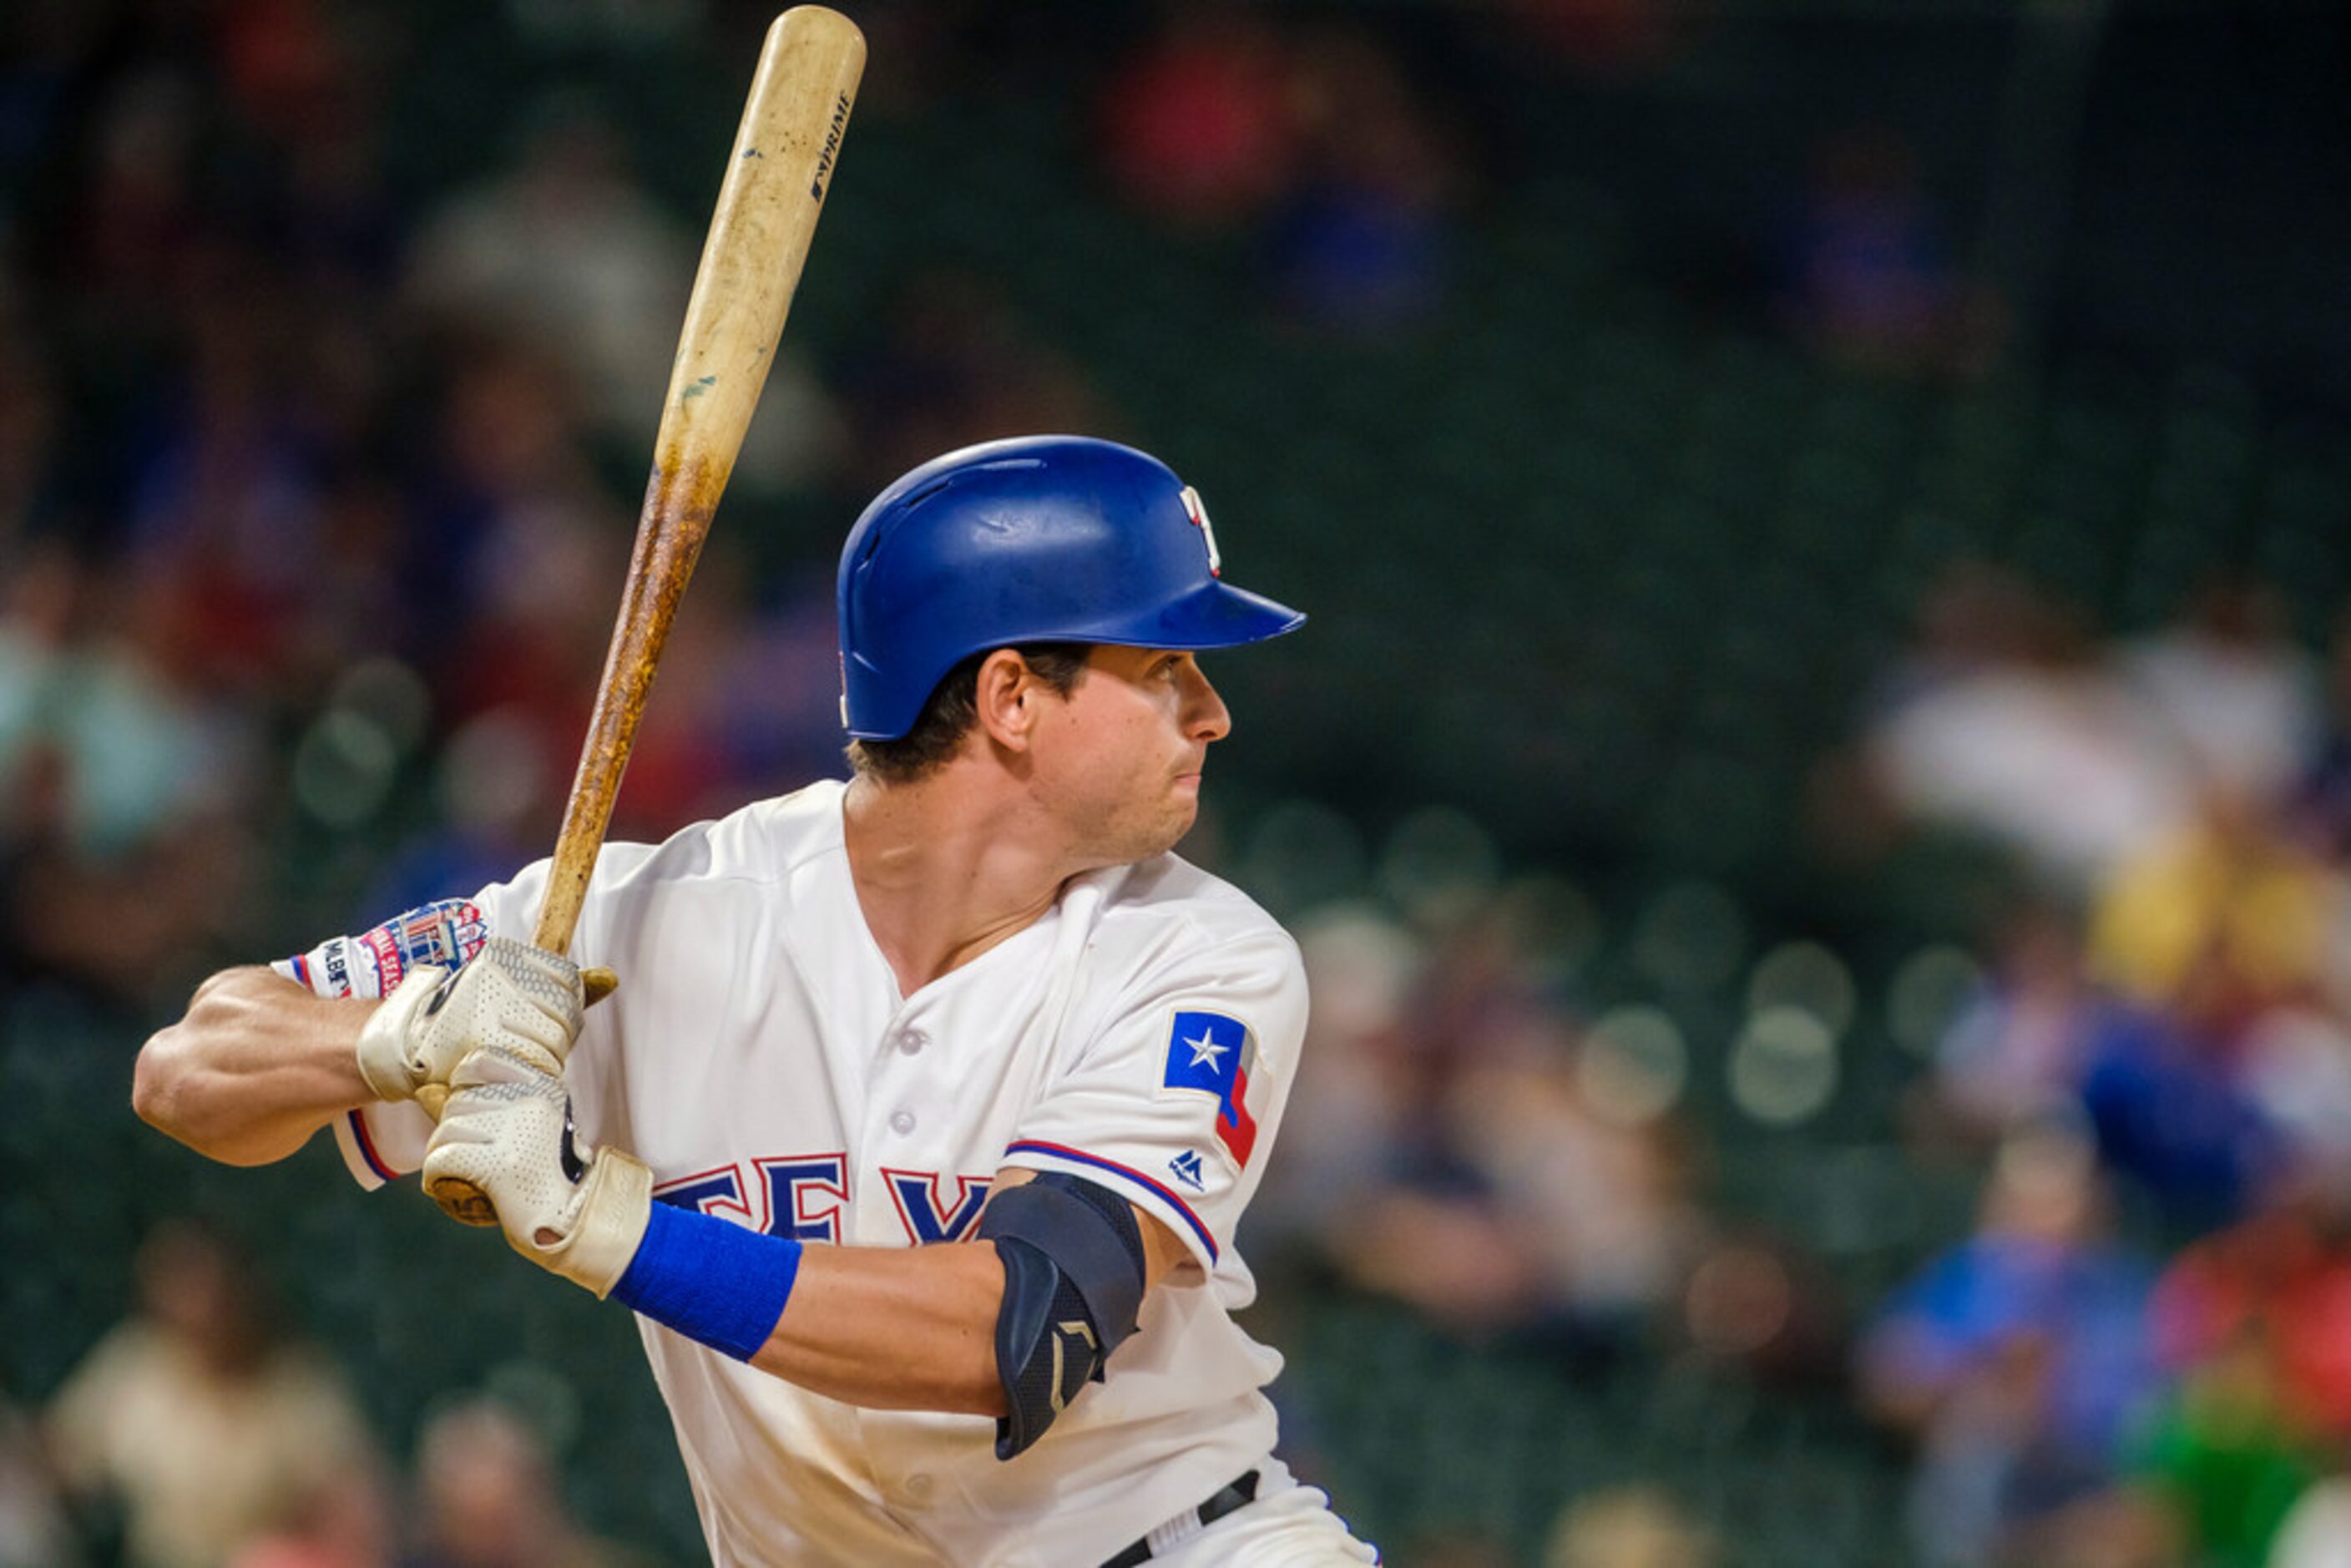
1144	1034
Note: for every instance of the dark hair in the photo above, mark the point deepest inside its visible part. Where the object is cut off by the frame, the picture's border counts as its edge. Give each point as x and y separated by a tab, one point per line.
953	708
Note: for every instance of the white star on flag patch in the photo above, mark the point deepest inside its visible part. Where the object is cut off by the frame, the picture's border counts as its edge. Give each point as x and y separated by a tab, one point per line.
1211	1054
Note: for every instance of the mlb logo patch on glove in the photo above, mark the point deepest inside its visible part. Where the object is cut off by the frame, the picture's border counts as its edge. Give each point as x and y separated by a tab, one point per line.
1211	1054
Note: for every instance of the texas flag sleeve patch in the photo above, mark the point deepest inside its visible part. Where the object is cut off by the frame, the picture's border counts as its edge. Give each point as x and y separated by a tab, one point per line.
1211	1054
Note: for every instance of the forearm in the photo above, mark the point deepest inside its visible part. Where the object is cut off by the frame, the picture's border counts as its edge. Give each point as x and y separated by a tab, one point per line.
885	1328
894	1330
1065	1266
257	1064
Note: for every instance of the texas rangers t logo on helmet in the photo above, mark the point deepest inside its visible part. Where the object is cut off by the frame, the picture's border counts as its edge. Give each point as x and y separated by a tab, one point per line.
1209	1053
1200	515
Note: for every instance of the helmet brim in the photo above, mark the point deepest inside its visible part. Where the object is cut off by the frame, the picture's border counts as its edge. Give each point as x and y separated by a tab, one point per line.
1215	615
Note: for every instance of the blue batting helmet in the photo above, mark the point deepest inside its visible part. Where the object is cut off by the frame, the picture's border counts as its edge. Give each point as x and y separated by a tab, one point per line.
1042	538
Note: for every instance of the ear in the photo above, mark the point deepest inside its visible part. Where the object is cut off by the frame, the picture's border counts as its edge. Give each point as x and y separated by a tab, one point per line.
1006	696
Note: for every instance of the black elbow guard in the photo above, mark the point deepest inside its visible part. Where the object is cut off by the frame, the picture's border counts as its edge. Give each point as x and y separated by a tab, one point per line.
1072	1258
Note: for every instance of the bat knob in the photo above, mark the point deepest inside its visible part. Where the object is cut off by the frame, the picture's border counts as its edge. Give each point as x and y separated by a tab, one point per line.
463	1201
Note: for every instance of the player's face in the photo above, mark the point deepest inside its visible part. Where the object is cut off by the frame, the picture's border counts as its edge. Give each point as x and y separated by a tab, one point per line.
1119	762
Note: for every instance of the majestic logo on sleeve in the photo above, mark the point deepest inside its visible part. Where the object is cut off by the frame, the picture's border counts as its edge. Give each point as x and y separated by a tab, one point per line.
1211	1054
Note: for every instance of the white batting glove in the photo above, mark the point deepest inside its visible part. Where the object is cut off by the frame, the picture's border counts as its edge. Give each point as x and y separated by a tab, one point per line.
511	996
573	1209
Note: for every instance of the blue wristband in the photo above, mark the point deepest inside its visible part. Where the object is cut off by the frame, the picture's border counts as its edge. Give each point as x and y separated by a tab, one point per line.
710	1279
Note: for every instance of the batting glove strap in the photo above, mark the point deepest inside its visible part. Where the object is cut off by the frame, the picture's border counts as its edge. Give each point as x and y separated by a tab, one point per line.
608	1224
383	1052
573	1209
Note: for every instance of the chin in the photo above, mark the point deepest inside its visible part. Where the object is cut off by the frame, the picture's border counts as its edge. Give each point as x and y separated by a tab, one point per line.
1157	838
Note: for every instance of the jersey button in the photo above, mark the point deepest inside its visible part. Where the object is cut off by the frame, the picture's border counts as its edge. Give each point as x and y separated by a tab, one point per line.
918	1486
902	1122
913	1041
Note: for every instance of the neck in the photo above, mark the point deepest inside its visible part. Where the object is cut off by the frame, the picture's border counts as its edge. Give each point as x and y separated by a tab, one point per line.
942	877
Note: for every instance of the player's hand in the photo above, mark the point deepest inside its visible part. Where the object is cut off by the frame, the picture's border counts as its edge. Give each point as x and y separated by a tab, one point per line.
510	995
506	1132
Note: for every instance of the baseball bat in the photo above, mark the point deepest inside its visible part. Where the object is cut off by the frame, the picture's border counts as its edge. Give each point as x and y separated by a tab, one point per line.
777	177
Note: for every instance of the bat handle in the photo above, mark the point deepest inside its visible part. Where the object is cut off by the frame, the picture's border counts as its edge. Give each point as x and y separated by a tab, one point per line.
463	1201
460	1199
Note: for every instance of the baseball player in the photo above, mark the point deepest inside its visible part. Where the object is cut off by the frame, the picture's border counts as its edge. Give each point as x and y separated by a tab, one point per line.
916	1133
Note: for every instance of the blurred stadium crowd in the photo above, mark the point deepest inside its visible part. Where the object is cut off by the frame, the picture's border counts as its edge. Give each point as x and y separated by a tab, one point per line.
1636	1206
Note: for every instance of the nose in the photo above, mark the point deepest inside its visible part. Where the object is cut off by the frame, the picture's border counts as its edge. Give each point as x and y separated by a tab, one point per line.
1205	717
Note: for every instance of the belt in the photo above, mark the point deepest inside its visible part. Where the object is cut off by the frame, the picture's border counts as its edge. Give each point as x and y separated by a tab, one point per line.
1233	1495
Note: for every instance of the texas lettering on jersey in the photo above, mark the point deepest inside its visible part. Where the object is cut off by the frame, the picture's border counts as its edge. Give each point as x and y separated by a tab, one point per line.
802	1196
